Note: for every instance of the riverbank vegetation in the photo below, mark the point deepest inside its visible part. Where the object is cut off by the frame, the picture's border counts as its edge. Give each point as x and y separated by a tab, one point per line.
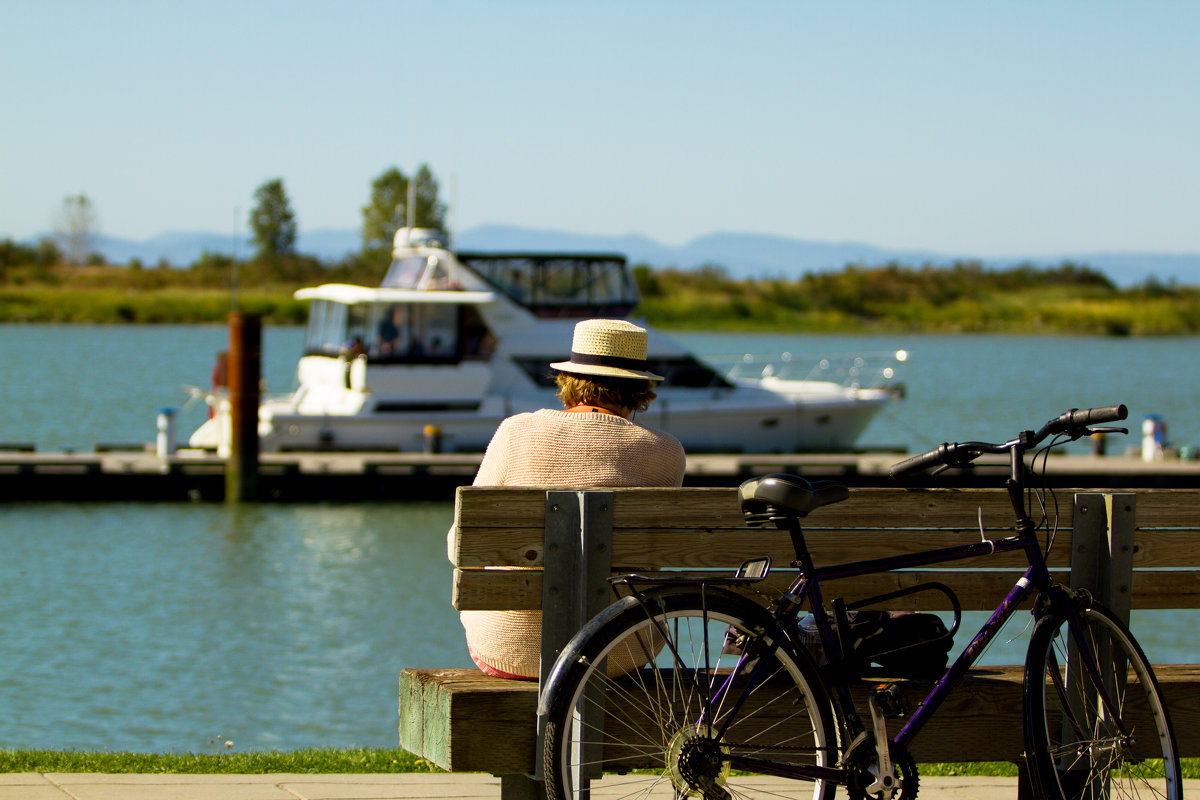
960	297
63	280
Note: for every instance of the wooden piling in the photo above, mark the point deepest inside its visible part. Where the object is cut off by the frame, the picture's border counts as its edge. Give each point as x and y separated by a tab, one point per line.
245	373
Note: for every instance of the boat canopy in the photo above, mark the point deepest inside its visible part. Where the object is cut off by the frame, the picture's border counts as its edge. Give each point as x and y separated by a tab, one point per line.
351	295
559	284
548	284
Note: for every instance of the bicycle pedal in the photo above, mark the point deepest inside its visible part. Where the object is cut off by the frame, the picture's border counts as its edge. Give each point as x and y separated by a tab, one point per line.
891	701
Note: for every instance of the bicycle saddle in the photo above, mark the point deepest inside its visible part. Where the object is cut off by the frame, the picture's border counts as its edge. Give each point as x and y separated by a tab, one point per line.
790	495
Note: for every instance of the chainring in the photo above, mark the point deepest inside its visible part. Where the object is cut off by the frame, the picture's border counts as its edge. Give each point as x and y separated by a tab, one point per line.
863	771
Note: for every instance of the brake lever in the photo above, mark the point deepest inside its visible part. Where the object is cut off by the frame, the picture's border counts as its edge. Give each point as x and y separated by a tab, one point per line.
1075	434
1093	431
958	463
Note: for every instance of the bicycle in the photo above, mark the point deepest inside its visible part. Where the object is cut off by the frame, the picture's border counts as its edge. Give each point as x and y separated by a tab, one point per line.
726	690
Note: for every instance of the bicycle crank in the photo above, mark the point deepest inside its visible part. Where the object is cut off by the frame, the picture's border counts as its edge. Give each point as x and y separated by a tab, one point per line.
865	774
879	769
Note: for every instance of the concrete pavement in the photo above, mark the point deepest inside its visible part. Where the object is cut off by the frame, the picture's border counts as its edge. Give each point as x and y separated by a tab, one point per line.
412	786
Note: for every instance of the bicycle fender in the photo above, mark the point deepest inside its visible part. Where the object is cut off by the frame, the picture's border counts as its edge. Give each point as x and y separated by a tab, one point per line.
569	655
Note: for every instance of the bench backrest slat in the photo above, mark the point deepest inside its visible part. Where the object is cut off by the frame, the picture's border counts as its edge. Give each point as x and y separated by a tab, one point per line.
720	548
703	529
522	589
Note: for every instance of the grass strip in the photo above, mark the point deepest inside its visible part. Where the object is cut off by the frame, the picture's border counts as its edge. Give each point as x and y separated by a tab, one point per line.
339	761
310	761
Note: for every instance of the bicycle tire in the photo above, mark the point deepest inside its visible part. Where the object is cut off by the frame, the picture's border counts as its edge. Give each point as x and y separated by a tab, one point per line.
1076	748
653	713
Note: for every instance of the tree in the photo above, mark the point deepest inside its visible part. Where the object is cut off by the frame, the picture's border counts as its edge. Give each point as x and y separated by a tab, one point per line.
430	213
76	228
272	223
388	209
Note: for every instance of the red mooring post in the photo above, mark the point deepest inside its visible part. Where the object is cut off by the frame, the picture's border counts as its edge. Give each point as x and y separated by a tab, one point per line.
245	373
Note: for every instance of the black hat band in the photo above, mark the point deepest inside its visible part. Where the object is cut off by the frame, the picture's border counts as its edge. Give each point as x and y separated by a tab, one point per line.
619	362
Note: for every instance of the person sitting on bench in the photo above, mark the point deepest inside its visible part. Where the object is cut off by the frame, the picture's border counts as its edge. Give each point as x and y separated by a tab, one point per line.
592	442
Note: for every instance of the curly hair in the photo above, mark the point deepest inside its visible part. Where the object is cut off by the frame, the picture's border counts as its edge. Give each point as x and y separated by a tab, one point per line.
634	394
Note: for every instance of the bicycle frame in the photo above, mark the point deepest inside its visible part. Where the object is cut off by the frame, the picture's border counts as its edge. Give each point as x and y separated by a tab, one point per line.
806	589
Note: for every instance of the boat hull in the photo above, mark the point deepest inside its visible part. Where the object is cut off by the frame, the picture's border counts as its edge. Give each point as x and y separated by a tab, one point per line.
711	425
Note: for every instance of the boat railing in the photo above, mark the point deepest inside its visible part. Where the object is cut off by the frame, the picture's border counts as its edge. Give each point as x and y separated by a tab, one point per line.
858	370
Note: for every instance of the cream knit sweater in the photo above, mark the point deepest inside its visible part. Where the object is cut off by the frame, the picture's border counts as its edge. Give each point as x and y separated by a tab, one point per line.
560	448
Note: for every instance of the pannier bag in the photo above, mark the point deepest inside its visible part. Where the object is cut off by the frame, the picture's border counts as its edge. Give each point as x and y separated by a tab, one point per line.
902	644
898	644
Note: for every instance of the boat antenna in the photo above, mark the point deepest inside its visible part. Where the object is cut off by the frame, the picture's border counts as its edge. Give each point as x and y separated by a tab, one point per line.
233	279
412	203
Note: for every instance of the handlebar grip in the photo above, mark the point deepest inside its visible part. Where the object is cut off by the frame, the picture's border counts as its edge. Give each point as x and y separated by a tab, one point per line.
931	458
1097	416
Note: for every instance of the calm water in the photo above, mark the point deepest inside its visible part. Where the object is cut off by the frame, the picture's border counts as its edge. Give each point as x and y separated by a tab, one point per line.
157	627
154	627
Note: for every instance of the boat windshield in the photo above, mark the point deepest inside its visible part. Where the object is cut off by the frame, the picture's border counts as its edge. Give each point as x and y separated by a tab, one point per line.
419	272
556	285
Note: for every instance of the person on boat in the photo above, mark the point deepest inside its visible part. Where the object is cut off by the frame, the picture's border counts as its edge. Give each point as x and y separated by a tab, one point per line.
592	441
393	332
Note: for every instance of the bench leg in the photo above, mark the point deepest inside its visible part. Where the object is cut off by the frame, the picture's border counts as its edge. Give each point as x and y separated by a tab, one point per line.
521	787
1024	782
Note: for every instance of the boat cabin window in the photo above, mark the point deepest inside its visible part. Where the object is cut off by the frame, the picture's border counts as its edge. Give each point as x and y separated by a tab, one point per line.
553	285
420	272
421	333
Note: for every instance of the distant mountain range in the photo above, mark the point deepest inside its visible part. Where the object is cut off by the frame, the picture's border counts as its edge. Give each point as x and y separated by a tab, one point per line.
740	254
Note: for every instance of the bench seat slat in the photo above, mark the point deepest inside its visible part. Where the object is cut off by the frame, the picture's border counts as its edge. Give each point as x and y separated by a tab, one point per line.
464	721
981	720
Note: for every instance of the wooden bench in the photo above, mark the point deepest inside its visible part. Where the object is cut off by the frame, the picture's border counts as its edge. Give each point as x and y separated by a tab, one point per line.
1135	551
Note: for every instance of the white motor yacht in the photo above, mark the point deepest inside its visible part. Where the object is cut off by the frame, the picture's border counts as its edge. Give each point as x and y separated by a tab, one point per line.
452	343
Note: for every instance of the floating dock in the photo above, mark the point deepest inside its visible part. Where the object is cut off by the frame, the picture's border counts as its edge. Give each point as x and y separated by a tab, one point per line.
111	474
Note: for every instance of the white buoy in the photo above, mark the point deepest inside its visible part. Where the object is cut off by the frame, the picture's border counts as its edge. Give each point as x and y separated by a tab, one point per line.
1154	437
166	432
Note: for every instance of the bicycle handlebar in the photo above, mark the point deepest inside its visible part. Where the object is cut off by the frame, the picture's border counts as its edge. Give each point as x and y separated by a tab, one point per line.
932	458
1073	422
1082	417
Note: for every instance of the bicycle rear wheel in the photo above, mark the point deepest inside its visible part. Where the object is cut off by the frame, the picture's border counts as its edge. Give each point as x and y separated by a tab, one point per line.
1078	747
657	708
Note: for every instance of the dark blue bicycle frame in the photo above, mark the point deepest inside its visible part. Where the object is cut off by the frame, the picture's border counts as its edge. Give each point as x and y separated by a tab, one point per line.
807	590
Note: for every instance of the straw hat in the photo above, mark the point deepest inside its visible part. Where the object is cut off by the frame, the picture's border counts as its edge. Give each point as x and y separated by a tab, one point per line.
611	347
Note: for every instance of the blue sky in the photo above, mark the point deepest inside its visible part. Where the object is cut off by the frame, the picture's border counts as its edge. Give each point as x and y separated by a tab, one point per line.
984	128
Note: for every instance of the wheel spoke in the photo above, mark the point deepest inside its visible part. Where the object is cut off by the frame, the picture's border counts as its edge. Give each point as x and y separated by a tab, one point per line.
681	707
1096	724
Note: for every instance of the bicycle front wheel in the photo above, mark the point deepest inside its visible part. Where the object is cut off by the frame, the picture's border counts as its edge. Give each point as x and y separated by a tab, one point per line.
650	695
1079	745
